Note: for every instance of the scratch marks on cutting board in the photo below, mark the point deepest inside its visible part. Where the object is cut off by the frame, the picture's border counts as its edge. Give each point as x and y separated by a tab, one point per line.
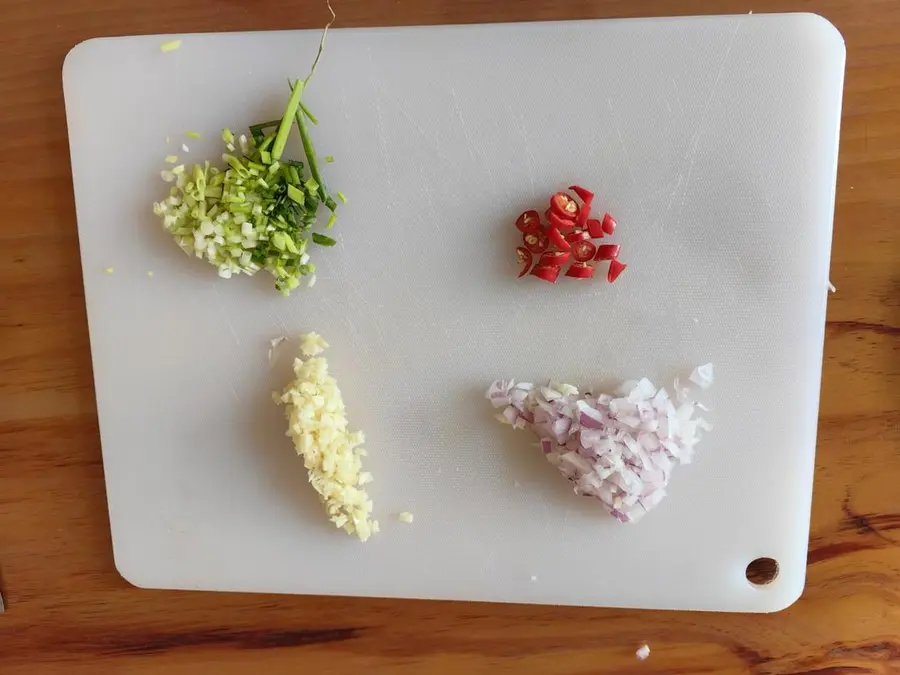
223	310
379	126
234	393
626	157
462	121
526	145
277	317
690	155
474	152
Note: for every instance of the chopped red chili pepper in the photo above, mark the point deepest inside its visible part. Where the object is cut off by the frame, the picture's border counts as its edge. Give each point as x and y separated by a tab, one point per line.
554	258
547	272
607	252
585	195
583	214
557	239
567	236
563	205
595	228
530	221
583	251
609	223
576	236
561	224
580	270
615	269
536	242
524	258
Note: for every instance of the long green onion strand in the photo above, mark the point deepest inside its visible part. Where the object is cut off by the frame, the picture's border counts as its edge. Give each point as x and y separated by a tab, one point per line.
284	127
310	152
306	111
321	44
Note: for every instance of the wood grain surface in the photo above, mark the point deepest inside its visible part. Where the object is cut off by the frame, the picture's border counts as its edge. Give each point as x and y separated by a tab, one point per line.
69	611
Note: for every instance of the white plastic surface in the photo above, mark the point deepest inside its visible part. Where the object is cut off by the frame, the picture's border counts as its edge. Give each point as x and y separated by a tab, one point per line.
712	140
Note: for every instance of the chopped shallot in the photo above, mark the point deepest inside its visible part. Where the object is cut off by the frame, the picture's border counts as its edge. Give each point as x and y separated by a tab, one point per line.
621	448
644	650
703	376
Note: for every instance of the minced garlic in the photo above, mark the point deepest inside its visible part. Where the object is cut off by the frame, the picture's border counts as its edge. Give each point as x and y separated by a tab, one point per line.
312	344
405	517
317	424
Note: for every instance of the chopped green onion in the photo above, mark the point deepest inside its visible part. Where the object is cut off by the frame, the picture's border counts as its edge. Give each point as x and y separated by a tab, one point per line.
340	195
109	270
170	46
296	195
323	240
258	128
266	144
328	159
193	134
258	213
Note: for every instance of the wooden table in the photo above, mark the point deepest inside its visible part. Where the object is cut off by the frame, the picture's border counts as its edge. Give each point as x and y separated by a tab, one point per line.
69	611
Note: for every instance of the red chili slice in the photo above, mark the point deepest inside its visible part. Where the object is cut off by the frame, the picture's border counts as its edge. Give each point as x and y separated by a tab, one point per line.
609	224
554	258
557	239
615	269
583	251
607	252
580	271
576	236
524	258
583	214
585	195
536	242
530	221
561	224
563	205
546	272
595	228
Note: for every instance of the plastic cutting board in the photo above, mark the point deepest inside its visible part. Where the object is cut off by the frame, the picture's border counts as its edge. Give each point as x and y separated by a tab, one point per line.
712	140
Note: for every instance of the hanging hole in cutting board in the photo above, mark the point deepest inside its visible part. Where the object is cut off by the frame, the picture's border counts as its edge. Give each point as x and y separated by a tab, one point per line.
762	571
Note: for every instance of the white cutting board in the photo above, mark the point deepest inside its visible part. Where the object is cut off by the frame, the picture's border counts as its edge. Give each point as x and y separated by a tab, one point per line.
713	141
